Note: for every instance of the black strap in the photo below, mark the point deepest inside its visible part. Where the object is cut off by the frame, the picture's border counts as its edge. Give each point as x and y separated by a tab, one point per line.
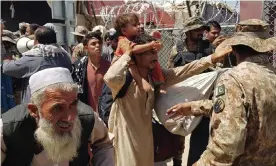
123	90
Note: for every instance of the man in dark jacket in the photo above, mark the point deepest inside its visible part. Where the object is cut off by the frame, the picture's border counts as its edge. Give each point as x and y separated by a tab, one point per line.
88	71
54	128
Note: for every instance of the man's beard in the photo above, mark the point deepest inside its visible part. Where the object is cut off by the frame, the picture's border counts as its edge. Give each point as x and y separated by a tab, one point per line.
198	38
59	147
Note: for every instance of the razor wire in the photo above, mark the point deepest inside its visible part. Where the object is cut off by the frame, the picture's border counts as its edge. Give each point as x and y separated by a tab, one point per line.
208	9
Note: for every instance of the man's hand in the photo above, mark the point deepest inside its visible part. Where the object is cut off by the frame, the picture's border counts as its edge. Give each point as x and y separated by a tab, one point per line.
182	109
219	54
218	40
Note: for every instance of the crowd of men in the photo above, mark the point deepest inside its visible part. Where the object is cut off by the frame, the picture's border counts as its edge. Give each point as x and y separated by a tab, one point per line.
86	108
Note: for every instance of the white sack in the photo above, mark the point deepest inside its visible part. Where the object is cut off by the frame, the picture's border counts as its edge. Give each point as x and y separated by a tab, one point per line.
194	88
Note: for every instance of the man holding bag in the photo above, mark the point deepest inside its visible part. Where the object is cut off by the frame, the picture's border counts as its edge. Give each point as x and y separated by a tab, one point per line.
243	109
131	116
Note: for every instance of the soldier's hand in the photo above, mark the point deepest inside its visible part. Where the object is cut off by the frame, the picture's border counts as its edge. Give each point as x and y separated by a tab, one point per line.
220	54
182	109
218	40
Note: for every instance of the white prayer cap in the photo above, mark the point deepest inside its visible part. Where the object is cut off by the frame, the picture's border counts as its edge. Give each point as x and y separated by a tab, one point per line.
48	77
51	26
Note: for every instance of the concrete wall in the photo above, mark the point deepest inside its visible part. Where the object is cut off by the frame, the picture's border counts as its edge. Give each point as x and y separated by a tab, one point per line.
250	9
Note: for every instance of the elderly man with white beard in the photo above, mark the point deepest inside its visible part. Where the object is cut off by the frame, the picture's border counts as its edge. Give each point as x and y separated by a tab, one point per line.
55	128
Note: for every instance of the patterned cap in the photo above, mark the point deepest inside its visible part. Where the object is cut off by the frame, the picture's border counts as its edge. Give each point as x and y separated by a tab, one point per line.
80	31
254	25
250	39
193	23
8	36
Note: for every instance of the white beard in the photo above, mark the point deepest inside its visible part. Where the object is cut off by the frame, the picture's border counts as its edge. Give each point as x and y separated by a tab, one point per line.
58	147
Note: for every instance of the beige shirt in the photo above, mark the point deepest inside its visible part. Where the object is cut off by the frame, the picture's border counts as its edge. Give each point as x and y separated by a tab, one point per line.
243	109
131	116
101	140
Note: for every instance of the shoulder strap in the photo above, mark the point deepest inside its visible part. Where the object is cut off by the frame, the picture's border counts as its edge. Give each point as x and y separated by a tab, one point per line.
123	90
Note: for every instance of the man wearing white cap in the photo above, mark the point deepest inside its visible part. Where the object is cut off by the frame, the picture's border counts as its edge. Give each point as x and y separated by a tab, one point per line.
54	128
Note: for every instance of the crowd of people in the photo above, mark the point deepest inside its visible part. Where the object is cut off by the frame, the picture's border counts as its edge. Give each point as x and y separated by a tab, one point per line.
93	104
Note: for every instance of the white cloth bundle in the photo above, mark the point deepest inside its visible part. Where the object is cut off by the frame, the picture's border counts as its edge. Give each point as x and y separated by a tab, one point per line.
194	88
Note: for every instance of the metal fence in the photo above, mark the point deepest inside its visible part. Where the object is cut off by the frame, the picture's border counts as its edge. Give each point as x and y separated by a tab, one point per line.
269	15
169	39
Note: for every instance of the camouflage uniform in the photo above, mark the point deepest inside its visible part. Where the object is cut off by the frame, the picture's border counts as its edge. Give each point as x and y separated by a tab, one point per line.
78	50
10	44
243	128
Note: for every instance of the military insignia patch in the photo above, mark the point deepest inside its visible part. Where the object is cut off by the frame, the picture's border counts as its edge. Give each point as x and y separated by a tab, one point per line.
220	90
219	106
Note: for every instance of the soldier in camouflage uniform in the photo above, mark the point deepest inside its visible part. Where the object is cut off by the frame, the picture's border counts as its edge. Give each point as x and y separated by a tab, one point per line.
78	50
9	42
243	109
193	28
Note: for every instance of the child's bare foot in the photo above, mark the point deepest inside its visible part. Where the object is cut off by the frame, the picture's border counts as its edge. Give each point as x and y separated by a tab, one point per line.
146	86
163	91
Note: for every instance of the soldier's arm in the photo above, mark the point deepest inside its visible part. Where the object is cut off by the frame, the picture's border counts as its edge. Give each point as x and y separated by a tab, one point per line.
202	108
228	124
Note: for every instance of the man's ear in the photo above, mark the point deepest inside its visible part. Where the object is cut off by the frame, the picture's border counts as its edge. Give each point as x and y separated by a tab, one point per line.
35	42
33	110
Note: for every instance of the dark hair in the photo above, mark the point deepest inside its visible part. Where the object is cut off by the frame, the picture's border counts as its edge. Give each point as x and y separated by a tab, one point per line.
45	35
33	27
23	30
214	24
106	36
115	36
244	50
143	39
124	19
89	36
